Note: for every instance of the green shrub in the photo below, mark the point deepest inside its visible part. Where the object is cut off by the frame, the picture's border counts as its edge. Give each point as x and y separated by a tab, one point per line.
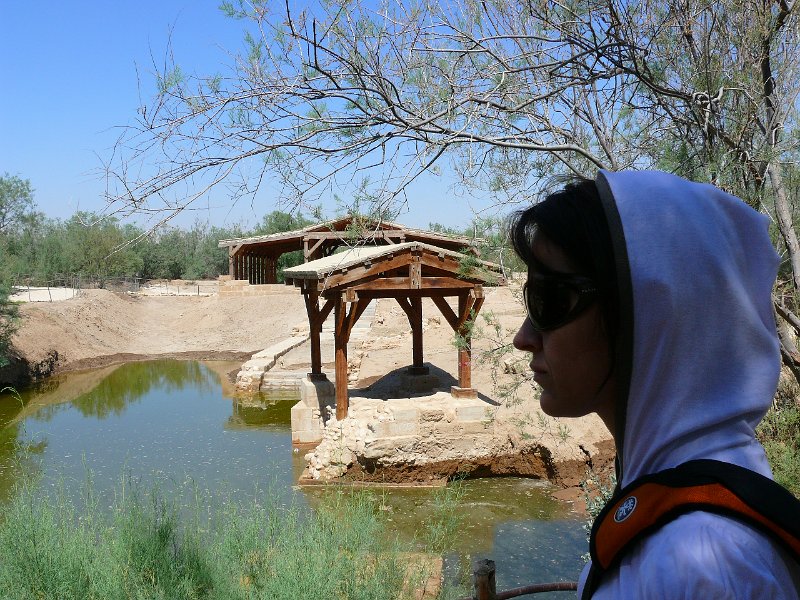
779	433
147	547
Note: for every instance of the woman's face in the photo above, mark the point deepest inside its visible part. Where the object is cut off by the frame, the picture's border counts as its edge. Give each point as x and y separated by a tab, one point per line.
572	362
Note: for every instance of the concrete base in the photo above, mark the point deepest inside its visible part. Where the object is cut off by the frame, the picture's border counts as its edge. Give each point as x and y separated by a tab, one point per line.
309	415
413	430
459	392
419	383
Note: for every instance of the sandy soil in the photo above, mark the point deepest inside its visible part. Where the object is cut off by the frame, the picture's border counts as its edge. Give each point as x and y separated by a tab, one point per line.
99	328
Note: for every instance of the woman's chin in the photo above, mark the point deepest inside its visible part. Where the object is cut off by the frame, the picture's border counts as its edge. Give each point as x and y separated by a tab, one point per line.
552	407
549	404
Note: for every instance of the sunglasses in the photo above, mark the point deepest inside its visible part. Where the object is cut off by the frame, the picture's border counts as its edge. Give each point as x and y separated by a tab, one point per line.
555	299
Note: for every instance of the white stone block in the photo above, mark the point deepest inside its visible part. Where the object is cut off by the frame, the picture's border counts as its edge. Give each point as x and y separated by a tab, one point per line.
473	412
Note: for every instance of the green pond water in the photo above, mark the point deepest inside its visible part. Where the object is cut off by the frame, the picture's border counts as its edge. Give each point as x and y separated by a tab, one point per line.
174	424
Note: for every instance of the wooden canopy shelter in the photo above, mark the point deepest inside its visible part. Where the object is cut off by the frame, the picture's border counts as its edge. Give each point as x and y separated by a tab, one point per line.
255	258
348	281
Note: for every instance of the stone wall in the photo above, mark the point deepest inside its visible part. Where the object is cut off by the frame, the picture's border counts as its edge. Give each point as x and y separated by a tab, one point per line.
416	430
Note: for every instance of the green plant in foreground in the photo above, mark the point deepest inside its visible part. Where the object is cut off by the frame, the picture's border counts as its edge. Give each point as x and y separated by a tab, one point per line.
145	547
441	529
597	491
779	433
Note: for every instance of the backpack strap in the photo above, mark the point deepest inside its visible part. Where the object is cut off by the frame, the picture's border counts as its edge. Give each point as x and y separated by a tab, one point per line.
709	485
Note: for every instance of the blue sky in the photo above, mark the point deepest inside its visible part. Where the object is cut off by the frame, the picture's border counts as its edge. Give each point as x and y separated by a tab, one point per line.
73	73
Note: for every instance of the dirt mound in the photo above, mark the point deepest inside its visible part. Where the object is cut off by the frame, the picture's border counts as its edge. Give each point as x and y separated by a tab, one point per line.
100	327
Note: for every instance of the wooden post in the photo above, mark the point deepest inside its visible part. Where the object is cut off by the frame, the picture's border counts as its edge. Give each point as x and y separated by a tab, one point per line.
231	272
416	329
415	272
465	351
483	580
340	333
312	300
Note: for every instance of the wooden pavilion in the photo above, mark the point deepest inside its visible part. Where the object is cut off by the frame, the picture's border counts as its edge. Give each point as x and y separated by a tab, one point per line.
346	282
255	259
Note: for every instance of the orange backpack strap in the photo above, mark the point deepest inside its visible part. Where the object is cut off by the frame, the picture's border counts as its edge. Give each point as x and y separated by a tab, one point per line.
709	485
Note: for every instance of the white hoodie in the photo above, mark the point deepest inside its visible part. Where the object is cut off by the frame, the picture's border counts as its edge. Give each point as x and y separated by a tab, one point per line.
697	367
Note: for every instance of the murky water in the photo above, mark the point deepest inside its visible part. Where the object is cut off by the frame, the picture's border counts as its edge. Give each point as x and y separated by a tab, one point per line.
176	422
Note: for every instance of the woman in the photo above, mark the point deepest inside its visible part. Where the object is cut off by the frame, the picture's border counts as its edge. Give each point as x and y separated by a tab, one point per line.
649	303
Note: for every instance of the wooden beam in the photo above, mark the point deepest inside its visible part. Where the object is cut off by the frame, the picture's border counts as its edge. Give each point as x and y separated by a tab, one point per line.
379	266
404	284
356	309
314	247
406	293
441	261
446	310
325	235
430	271
325	311
361	306
408	308
465	303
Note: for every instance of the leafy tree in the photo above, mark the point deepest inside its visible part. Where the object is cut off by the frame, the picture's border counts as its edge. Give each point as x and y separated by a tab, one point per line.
439	228
16	201
95	246
278	222
509	92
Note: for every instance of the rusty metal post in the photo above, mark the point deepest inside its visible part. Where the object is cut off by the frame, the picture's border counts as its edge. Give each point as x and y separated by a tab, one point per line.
483	582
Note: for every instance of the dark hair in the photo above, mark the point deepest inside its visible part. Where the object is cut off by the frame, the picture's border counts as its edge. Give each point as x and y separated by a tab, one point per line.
573	219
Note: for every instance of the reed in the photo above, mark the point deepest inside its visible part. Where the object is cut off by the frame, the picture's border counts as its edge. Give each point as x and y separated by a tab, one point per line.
148	546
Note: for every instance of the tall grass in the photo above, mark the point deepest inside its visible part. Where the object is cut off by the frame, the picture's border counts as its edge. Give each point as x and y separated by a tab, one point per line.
779	433
147	548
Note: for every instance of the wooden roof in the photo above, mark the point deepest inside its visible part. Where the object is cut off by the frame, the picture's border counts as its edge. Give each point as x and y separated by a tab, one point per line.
359	266
374	231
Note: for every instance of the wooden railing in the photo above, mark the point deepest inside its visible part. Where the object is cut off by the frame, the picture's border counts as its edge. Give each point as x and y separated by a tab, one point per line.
483	584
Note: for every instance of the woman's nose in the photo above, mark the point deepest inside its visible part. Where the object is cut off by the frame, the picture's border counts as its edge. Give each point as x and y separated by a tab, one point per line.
527	338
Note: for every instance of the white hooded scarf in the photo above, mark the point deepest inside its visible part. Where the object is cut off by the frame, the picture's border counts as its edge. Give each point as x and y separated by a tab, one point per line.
698	362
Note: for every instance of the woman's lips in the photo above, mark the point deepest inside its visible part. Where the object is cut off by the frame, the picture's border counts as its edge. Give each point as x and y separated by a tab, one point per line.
539	372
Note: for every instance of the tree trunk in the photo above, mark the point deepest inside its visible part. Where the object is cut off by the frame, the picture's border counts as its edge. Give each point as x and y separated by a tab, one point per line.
783	214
